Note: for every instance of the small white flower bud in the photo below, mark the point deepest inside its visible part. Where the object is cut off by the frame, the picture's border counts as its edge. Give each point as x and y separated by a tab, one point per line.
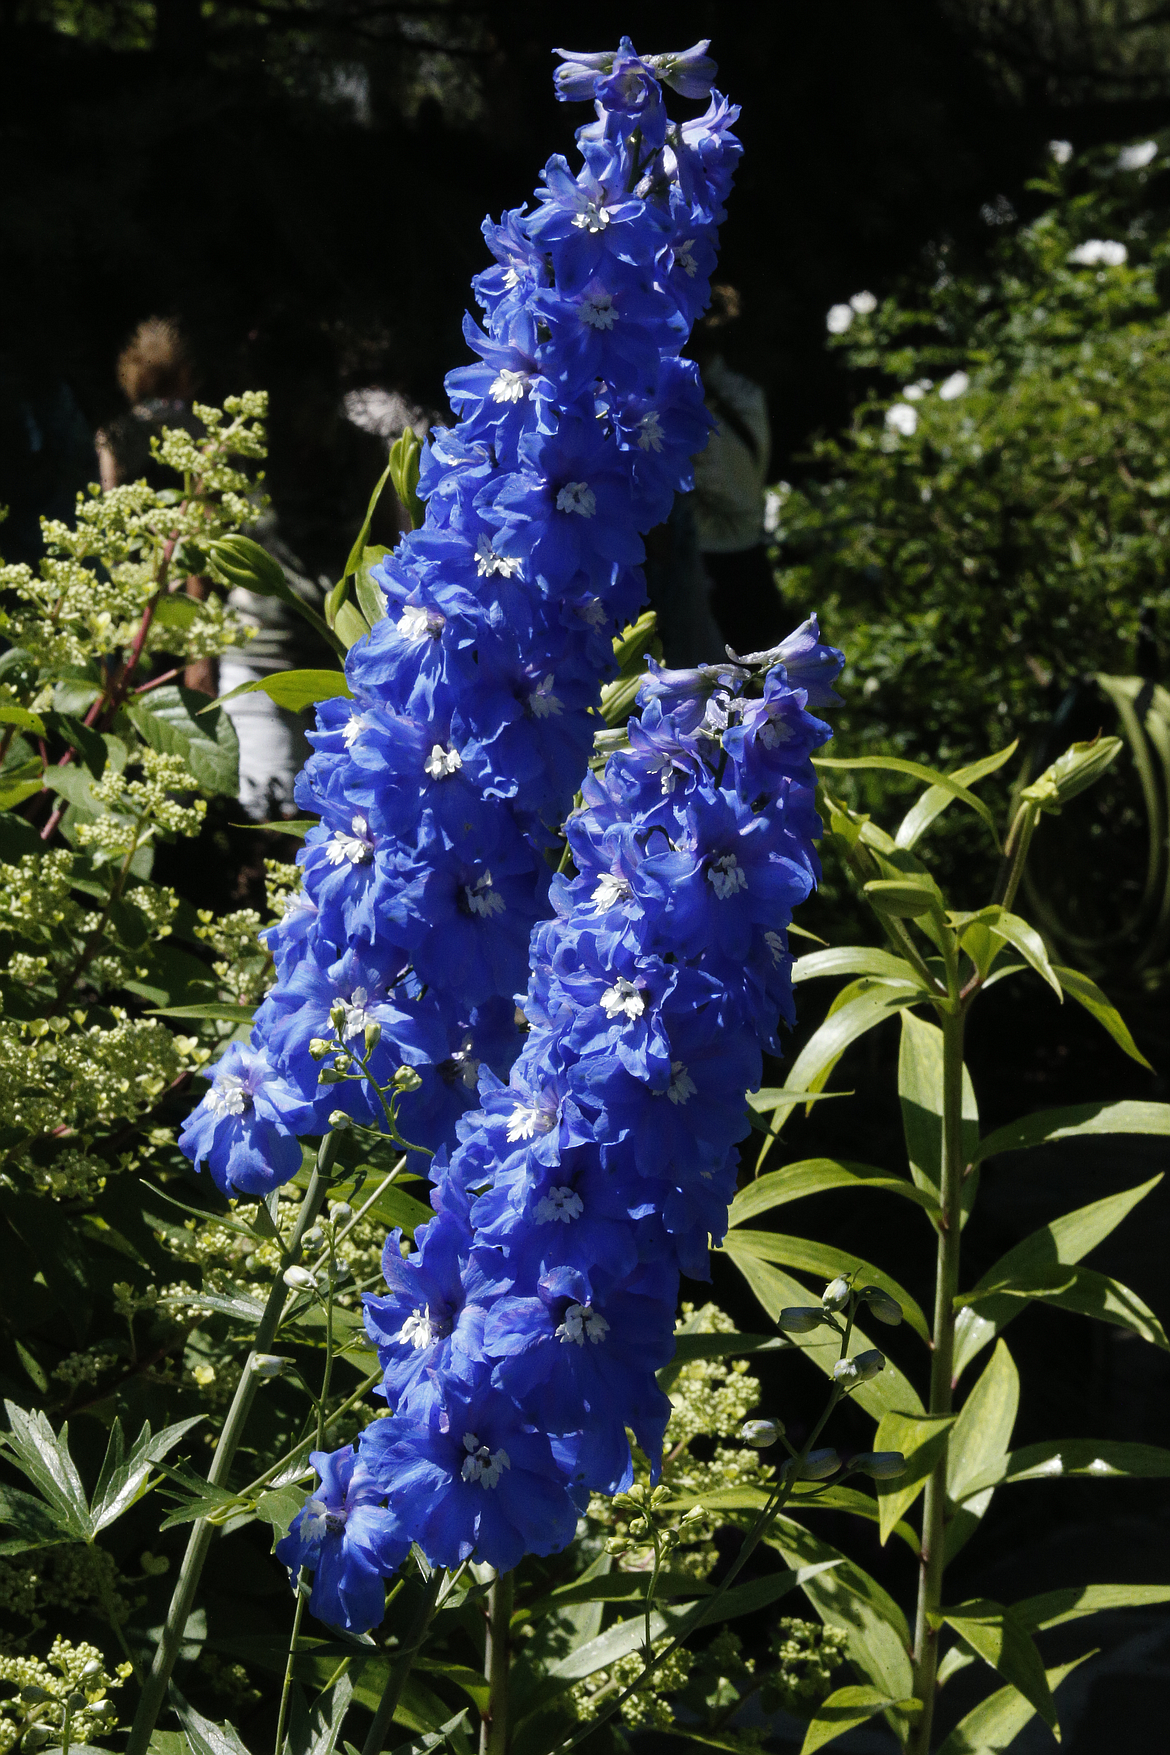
269	1364
103	1709
36	1736
761	1433
300	1279
836	1294
881	1305
341	1212
92	1668
406	1079
373	1036
880	1465
337	1014
860	1368
800	1319
339	1121
319	1047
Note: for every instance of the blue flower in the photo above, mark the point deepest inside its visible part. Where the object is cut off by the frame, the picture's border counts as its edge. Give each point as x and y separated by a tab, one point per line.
429	1330
245	1129
345	1537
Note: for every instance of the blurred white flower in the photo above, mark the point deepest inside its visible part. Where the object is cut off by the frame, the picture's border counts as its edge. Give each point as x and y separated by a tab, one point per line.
1061	150
916	391
901	418
1136	158
1099	252
838	318
863	303
953	386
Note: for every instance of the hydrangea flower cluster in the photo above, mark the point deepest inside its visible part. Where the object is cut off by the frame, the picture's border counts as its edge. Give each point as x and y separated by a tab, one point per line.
521	1337
441	784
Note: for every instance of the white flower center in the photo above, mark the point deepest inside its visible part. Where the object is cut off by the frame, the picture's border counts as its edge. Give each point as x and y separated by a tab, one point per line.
442	762
422	1327
577	496
315	1521
611	891
592	217
726	876
482	900
417	623
650	433
510	386
481	1464
542	703
775	944
559	1205
682	1085
529	1119
354	726
229	1095
597	311
581	1324
357	1014
684	255
593	613
466	1066
356	847
623	999
487	561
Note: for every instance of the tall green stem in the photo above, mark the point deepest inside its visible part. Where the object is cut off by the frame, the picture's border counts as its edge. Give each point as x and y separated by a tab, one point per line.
400	1669
933	1560
493	1730
290	1666
183	1600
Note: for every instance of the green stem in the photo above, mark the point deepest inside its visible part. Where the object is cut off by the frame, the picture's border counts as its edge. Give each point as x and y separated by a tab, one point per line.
493	1730
399	1671
106	1592
1015	854
328	1371
933	1559
187	1583
286	1690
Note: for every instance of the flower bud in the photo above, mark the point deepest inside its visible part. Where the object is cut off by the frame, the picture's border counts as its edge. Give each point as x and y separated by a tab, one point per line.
881	1305
299	1279
836	1294
617	1545
859	1369
93	1668
339	1120
406	1079
103	1709
818	1465
373	1036
36	1736
33	1696
761	1433
341	1212
76	1702
800	1319
270	1364
319	1047
880	1465
337	1014
1079	766
313	1239
694	1515
329	1075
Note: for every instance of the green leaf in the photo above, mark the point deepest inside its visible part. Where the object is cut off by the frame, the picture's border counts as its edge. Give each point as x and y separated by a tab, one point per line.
204	1737
20	781
1088	994
123	1479
1004	1643
878	1639
996	1722
371	598
296	826
37	1524
1057	1606
936	798
395	1207
1098	1459
617	1587
769	1097
236	1302
1063	1242
221	1009
817	1258
1079	1120
172	720
21	718
854	960
43	1456
196	1498
921	1440
979	1444
775	1289
1011	929
918	771
278	1507
292	689
350	625
815	1176
920	1092
688	1348
397	451
844	1710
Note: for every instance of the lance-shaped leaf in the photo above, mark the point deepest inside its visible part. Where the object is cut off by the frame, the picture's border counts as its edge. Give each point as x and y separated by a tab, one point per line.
818	1258
43	1456
1080	1120
920	1092
370	595
936	798
292	689
123	1478
1007	929
982	1434
776	1290
845	1709
688	1348
1098	1459
1004	1643
816	1176
1058	1606
853	960
947	783
878	1639
1088	994
996	1722
1059	1244
921	1439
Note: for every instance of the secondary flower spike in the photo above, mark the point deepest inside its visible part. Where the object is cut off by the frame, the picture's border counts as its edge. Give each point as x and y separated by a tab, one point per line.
440	786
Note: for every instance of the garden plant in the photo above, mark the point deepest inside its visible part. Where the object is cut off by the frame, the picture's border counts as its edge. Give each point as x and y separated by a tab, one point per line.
371	1219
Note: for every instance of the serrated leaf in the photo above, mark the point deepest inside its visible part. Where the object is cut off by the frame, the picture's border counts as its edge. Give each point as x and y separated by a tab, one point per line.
173	721
43	1456
816	1176
775	1289
1057	1606
921	1440
818	1258
844	1710
1003	1642
1088	994
878	1639
197	1498
204	1737
123	1479
937	798
1098	1459
1080	1120
37	1525
982	1434
920	1093
1063	1242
